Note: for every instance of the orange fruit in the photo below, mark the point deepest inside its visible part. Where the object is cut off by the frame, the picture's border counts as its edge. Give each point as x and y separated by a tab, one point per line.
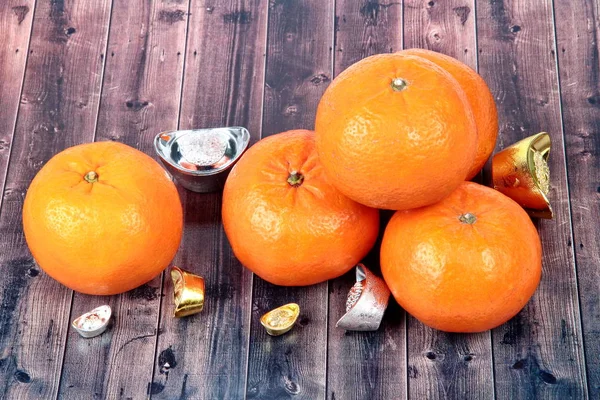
102	218
284	219
480	98
395	131
466	264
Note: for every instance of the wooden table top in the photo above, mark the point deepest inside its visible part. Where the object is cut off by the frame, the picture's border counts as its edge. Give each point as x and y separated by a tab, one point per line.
75	71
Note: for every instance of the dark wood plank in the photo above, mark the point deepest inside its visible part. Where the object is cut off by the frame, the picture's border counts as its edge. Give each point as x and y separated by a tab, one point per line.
15	24
578	49
223	86
538	354
58	109
140	97
299	68
440	364
364	365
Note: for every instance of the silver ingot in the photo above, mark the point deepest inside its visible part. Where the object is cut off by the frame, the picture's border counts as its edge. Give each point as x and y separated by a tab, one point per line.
366	302
200	159
93	323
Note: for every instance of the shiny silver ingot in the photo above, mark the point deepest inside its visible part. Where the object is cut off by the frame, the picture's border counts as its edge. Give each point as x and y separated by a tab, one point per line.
200	159
366	302
93	323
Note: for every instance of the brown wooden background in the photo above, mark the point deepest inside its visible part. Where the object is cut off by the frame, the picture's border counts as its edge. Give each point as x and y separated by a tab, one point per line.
78	71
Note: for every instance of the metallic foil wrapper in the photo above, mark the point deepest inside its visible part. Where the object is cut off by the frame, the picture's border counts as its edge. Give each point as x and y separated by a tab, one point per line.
366	302
188	292
521	172
93	323
280	320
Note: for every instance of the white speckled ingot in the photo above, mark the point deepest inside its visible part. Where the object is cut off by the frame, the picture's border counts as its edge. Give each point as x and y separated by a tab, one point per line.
93	323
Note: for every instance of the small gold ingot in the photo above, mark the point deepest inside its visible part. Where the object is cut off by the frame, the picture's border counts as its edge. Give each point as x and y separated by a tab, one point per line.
521	172
280	320
188	292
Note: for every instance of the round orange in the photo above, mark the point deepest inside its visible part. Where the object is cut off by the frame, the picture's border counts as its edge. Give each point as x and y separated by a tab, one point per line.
466	264
395	131
480	98
284	219
102	218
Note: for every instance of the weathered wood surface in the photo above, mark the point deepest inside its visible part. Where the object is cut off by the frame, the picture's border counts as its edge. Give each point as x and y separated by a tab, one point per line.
223	86
58	109
578	49
537	354
116	70
446	365
140	96
15	25
298	69
364	365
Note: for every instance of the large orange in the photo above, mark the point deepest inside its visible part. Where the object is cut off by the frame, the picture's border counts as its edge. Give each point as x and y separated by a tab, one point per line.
481	101
466	264
102	218
395	131
285	220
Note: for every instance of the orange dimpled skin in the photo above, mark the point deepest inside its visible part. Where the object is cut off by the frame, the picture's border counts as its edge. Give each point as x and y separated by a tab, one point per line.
284	219
466	264
395	131
102	218
480	98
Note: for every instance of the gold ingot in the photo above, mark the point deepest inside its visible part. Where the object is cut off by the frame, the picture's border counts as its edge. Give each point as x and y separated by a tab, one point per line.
188	292
280	320
521	172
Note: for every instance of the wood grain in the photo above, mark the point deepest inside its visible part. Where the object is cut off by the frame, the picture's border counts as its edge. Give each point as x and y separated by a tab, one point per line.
578	49
58	109
15	24
445	365
444	26
299	68
538	354
223	86
364	365
140	97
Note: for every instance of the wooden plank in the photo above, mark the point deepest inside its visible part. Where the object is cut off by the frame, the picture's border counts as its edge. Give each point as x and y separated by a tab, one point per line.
58	109
223	86
140	97
15	24
578	47
440	364
538	354
364	365
299	68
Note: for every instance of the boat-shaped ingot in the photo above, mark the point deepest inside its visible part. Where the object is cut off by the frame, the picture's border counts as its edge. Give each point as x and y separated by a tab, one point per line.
201	159
93	323
521	172
366	302
280	320
188	292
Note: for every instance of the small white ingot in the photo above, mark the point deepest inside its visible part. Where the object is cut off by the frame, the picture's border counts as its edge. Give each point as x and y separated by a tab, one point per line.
280	320
366	302
93	323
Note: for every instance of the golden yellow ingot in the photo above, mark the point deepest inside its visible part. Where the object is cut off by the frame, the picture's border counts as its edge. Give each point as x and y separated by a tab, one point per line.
280	320
188	292
521	172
